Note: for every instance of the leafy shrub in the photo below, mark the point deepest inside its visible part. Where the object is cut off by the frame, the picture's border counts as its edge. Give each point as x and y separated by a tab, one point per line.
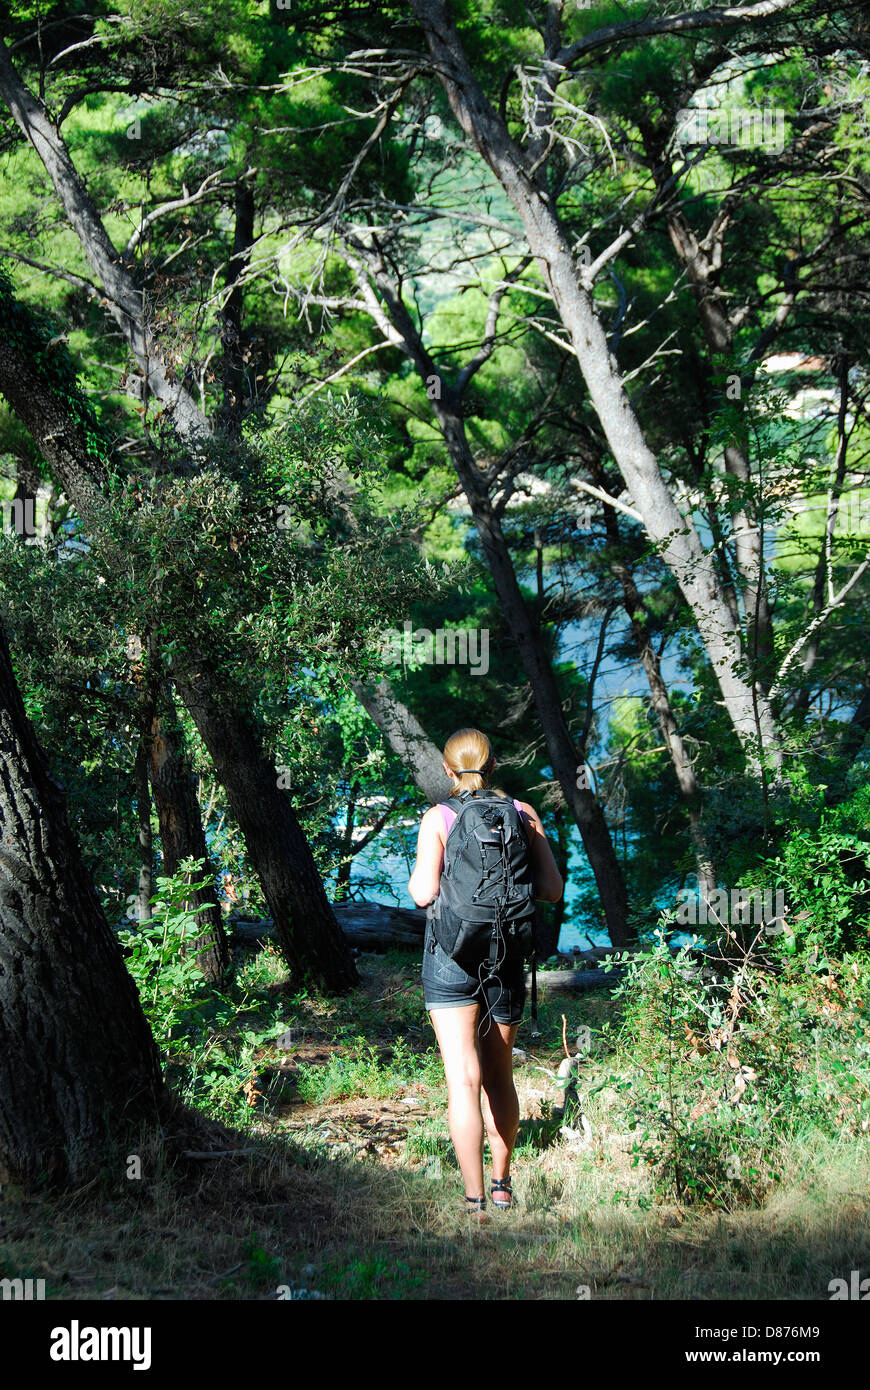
718	1063
158	954
825	872
207	1053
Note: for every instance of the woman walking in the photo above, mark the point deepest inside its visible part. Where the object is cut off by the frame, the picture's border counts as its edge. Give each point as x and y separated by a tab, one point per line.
478	1062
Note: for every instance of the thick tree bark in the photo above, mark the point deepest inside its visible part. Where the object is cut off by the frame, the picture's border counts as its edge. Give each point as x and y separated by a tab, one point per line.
180	820
77	1059
674	535
407	738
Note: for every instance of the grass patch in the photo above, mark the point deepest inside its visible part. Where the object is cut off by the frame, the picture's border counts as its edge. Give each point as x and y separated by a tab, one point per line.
365	1071
354	1193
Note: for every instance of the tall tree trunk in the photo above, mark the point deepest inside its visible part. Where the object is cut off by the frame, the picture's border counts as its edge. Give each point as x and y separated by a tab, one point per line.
857	729
565	757
690	790
407	738
180	821
305	924
28	485
702	268
123	297
235	393
824	563
146	849
345	863
561	853
77	1059
674	535
851	744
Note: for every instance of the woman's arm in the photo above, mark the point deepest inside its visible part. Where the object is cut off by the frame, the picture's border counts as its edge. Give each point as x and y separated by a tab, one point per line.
545	872
425	879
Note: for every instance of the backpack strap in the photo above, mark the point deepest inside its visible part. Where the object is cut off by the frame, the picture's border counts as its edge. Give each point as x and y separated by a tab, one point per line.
535	1030
523	826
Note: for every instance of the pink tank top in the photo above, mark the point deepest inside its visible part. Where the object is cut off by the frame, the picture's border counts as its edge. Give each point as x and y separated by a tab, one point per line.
448	815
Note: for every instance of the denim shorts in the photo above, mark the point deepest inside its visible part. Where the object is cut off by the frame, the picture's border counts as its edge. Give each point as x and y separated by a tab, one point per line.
447	986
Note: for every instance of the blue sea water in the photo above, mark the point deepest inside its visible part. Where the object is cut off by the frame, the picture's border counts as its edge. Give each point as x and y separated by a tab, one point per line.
381	872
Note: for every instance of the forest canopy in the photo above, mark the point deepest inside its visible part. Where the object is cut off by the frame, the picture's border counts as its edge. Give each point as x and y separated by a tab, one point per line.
369	372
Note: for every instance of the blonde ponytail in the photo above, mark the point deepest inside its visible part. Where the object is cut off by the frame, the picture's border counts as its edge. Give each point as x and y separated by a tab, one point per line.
468	754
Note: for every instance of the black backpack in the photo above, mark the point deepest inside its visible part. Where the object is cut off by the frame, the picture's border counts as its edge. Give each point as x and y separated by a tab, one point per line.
484	914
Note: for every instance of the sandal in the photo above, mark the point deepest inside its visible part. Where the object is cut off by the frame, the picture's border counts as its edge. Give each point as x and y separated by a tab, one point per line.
501	1185
475	1206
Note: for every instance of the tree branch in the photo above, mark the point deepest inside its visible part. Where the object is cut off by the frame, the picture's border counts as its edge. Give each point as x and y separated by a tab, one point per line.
686	23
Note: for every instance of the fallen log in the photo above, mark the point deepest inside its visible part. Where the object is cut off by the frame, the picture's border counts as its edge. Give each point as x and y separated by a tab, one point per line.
577	981
379	926
589	975
570	959
367	926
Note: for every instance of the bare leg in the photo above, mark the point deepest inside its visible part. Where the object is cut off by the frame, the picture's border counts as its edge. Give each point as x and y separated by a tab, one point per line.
456	1031
501	1107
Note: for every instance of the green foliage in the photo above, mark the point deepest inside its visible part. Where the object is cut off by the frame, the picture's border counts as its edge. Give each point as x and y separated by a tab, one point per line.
260	98
825	872
429	1142
719	1064
158	953
364	1072
261	1270
209	1039
369	1278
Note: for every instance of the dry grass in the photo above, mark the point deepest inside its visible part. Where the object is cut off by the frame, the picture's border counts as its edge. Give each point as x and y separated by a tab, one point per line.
361	1199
